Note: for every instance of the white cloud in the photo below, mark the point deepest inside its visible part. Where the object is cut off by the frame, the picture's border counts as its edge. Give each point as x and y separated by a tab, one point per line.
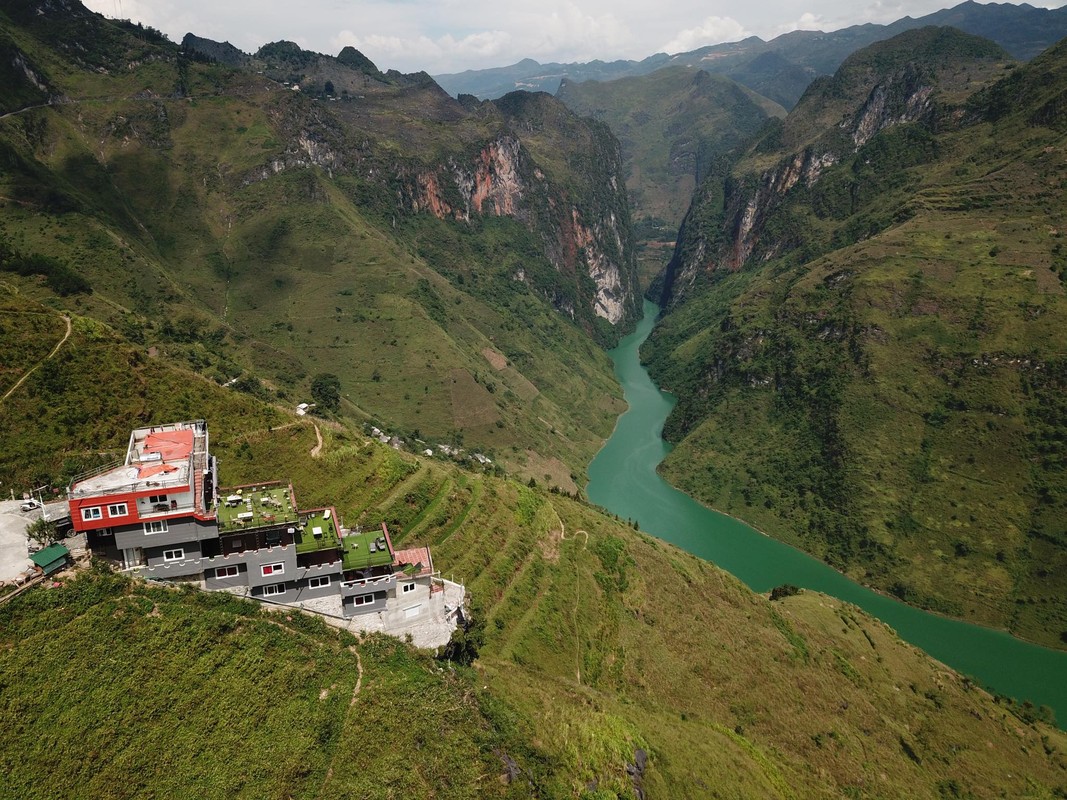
807	22
564	32
452	35
714	30
571	30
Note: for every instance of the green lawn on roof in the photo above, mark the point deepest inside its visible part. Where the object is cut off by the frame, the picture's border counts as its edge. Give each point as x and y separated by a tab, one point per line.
357	553
308	542
270	505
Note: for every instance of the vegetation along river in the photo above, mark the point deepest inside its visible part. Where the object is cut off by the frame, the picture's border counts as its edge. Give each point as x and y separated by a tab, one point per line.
623	479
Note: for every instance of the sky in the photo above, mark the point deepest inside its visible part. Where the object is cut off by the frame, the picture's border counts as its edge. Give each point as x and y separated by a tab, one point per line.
444	36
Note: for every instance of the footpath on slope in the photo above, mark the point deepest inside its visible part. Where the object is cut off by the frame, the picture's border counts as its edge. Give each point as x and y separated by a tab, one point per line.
577	595
30	371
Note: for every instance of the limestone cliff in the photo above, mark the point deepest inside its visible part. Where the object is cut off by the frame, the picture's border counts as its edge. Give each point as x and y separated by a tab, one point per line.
880	88
579	209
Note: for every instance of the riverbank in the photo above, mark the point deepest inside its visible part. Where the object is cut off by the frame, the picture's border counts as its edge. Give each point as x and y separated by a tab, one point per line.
623	478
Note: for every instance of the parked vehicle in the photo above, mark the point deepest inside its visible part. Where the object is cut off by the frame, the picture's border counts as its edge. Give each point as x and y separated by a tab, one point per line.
30	505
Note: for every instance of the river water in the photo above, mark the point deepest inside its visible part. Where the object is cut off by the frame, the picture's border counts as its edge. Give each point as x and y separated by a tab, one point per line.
623	479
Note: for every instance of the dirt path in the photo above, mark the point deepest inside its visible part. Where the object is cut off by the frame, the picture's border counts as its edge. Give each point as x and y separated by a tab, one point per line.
359	678
29	372
577	595
23	110
317	449
355	694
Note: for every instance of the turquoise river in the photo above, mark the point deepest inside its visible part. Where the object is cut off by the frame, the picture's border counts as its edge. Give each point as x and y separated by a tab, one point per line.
623	479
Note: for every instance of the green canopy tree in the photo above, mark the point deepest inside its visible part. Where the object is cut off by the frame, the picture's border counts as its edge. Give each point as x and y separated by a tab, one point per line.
326	391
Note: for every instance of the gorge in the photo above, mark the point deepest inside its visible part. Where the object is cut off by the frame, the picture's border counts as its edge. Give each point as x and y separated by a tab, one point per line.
623	479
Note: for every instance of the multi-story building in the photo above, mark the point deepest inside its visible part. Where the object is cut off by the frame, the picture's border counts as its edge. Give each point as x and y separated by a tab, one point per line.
161	512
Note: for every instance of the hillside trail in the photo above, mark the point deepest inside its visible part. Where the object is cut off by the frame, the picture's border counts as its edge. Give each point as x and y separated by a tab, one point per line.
359	678
317	449
355	694
30	371
24	110
577	595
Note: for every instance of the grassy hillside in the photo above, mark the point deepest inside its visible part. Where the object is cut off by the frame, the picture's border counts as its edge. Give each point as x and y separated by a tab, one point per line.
125	690
593	642
599	651
881	382
250	232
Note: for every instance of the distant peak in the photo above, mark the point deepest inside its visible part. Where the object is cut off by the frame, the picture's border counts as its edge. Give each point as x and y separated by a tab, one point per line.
352	58
221	52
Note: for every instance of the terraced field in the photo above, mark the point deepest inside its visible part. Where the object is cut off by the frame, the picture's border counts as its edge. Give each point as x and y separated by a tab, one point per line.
595	641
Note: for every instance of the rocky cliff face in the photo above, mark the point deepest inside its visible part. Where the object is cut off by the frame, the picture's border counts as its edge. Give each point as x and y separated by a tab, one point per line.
583	220
870	94
489	184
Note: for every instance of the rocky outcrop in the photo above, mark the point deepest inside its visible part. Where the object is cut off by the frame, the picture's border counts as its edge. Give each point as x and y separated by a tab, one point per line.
305	150
500	181
871	93
490	185
219	52
610	300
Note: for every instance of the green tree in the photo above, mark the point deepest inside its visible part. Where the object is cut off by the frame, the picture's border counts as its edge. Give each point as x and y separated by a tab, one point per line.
326	391
42	531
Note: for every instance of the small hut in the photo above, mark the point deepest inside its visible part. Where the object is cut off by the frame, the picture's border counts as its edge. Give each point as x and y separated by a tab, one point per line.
52	559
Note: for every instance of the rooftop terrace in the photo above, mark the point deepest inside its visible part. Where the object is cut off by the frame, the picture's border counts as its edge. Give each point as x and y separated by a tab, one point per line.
257	506
318	532
363	549
159	457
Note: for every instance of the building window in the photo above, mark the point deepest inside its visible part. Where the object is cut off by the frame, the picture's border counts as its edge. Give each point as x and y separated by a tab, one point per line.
157	498
273	589
177	554
363	600
273	569
228	572
409	587
117	510
318	583
89	514
160	526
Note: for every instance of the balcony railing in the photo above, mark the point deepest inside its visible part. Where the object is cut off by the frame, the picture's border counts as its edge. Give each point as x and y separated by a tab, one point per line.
366	585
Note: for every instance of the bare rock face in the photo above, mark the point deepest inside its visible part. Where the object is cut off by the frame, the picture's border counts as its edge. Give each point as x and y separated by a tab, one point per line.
854	106
501	180
610	293
490	185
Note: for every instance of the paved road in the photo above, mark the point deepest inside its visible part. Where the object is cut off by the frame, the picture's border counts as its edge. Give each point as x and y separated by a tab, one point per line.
14	556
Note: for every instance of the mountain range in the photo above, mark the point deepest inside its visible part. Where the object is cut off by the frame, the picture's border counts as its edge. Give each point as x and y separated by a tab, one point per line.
781	68
863	325
876	288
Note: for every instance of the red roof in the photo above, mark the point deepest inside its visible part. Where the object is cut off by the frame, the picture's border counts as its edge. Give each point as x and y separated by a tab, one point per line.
148	470
171	445
414	556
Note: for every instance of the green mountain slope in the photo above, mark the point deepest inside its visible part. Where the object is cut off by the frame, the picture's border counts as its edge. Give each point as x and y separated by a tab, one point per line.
606	662
675	127
247	229
867	337
194	223
594	644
